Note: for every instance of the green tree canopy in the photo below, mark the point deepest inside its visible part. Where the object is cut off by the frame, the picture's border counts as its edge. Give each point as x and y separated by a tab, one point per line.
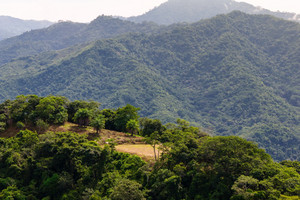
149	126
98	123
127	190
74	106
133	126
123	115
52	109
83	117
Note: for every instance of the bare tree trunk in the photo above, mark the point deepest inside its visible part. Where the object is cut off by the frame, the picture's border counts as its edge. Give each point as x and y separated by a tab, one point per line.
154	152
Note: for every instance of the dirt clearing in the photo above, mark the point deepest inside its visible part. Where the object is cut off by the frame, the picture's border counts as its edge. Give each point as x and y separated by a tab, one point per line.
145	151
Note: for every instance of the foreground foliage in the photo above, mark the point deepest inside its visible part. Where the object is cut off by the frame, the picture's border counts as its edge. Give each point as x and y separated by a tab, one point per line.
189	163
193	166
61	166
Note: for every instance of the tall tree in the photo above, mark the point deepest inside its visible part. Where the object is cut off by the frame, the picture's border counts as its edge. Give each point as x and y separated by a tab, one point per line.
123	115
149	126
133	126
98	123
52	109
110	116
74	106
83	117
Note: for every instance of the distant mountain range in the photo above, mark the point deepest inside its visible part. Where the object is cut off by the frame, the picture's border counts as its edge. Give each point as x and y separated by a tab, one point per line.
66	34
10	26
234	74
175	11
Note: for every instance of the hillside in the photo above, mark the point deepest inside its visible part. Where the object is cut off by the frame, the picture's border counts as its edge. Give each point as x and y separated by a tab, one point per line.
67	34
55	154
175	11
10	26
234	74
66	165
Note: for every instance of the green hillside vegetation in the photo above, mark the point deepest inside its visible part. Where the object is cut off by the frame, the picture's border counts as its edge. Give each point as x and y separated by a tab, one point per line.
66	34
191	165
36	112
234	74
68	166
176	11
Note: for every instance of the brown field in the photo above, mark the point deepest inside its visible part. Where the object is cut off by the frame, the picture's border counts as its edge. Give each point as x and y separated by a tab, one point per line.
145	151
102	137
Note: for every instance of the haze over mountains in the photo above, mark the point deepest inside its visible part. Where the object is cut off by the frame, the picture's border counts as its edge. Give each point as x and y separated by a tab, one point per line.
10	26
175	11
66	34
233	74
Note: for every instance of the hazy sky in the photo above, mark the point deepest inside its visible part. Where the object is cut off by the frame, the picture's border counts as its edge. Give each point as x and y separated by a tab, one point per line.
87	10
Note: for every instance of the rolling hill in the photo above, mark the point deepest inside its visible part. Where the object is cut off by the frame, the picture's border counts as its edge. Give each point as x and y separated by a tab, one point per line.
234	74
175	11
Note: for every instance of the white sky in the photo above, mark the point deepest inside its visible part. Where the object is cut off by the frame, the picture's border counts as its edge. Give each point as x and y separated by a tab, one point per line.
87	10
276	5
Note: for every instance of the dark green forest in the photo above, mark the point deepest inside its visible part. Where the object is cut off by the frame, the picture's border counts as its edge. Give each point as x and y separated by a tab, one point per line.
234	74
37	164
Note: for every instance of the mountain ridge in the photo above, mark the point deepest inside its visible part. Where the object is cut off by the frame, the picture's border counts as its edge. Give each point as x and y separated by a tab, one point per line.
66	34
178	11
11	26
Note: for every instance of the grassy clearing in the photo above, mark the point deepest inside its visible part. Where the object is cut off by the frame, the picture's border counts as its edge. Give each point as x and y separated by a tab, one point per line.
125	143
102	137
145	151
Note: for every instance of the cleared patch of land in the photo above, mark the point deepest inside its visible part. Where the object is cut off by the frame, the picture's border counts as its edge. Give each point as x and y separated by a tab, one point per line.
124	141
145	151
101	137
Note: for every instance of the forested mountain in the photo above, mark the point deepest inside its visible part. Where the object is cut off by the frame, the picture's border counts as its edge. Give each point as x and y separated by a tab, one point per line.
66	34
234	74
10	26
174	11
